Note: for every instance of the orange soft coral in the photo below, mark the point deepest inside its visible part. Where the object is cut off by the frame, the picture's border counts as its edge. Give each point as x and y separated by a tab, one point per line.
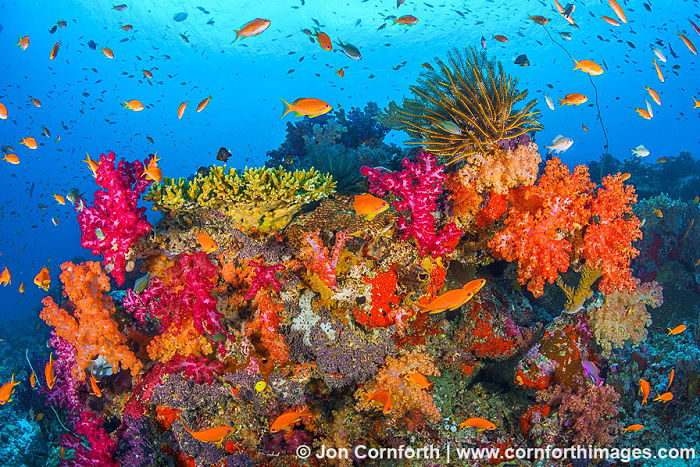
183	340
88	326
263	329
405	395
501	169
383	310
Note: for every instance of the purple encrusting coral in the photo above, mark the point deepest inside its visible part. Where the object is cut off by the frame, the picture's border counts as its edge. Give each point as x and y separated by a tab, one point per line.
135	442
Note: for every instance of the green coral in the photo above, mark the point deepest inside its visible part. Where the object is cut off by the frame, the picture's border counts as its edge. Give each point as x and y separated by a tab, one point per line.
262	198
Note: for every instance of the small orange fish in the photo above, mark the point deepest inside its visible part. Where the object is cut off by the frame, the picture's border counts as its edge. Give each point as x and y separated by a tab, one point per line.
383	397
147	74
665	397
23	42
21	287
93	385
29	142
588	66
369	206
539	19
454	299
134	105
3	111
54	50
661	160
109	53
610	21
584	127
500	38
127	27
670	378
644	113
340	72
654	95
635	427
677	330
92	165
408	20
59	199
152	171
625	176
5	277
324	41
39	417
11	158
215	435
207	243
252	28
7	389
659	73
306	107
696	199
288	419
688	44
658	212
419	379
32	380
43	279
618	10
202	105
480	424
181	110
36	102
62	452
573	99
49	375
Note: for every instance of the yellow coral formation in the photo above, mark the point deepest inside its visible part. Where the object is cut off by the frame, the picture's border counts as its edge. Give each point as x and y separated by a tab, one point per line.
502	169
575	296
183	340
624	316
261	198
405	395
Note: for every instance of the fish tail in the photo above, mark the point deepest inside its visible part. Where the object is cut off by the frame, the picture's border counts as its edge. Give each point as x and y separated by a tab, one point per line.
578	65
238	34
287	108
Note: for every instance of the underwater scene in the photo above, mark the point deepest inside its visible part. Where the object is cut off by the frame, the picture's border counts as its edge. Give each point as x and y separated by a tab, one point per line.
350	232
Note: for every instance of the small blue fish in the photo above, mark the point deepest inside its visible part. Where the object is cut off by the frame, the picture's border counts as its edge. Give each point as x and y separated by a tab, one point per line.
179	17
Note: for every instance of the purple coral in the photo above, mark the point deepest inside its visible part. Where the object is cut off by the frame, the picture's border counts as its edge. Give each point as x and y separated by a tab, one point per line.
418	187
135	446
67	394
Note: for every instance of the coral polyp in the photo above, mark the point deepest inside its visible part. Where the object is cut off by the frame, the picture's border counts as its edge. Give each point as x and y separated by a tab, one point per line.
463	107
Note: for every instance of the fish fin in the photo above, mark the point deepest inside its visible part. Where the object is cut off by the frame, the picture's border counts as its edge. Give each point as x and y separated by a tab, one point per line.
370	217
287	108
578	65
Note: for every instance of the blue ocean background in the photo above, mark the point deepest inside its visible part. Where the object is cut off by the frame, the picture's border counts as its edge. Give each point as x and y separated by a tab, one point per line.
82	91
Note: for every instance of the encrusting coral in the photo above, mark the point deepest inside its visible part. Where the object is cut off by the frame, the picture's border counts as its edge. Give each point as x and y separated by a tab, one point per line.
261	198
463	107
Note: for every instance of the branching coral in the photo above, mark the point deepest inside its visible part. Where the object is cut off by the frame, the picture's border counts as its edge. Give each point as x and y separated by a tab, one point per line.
418	187
260	198
463	107
404	394
89	326
623	316
114	222
320	260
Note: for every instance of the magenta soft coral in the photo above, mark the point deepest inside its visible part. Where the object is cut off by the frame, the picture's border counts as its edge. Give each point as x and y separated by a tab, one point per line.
263	276
100	444
418	187
115	213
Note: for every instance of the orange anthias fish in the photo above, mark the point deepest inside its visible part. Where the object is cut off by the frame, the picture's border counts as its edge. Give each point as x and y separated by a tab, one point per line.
215	435
670	378
181	110
383	397
306	107
644	113
665	397
11	158
92	165
369	206
5	277
23	42
93	385
147	74
252	28
588	66
408	20
3	111
43	279
49	374
688	44
127	27
54	50
610	21
635	427
654	95
324	41
32	380
539	19
454	299
134	105
618	10
59	199
340	72
419	379
480	424
152	171
207	243
428	66
288	419
500	38
7	389
659	73
109	53
644	390
202	105
677	330
29	142
573	99
36	102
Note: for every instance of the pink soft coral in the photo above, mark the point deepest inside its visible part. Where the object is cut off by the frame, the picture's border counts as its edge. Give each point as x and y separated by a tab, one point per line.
100	445
114	222
418	187
263	276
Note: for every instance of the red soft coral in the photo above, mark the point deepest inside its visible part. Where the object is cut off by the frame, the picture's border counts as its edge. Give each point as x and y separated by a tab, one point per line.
99	447
321	261
263	276
384	311
114	222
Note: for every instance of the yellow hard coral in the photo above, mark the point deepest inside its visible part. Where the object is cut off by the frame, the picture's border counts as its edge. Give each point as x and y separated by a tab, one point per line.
262	198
